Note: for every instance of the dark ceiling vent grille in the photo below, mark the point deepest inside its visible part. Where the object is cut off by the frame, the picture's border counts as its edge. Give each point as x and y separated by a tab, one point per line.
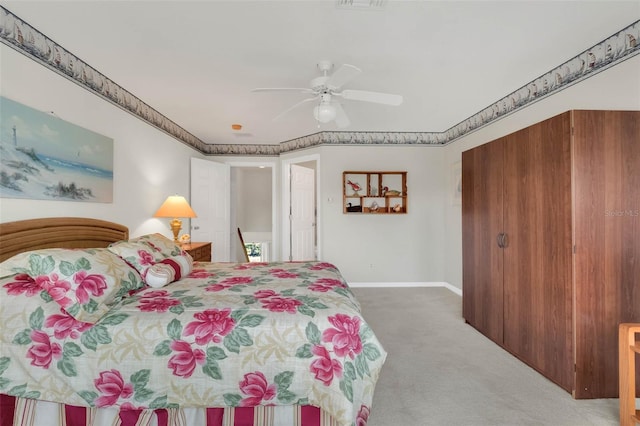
361	4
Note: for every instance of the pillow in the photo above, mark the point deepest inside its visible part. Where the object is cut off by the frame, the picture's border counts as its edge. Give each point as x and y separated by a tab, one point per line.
160	244
169	270
84	282
146	251
137	254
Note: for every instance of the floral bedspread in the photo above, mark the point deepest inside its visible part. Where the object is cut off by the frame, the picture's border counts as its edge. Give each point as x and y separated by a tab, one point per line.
226	335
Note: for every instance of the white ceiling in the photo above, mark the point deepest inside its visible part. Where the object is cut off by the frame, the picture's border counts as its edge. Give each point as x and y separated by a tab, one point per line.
197	61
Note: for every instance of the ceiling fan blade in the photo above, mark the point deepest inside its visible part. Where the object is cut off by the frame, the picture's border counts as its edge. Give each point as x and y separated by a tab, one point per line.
366	96
342	75
283	89
294	106
341	117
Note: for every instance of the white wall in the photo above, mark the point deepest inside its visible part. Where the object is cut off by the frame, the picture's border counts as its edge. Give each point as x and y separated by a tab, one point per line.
373	248
615	88
149	165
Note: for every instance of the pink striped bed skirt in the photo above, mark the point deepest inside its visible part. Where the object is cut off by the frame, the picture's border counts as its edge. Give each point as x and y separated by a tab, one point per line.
29	412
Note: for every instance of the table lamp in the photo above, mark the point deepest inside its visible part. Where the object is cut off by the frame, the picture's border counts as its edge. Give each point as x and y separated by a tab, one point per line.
175	206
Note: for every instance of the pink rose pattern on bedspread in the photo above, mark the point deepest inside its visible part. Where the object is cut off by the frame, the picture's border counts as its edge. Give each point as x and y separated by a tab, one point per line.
224	336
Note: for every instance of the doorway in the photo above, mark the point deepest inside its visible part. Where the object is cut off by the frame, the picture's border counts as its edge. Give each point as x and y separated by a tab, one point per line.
231	196
252	211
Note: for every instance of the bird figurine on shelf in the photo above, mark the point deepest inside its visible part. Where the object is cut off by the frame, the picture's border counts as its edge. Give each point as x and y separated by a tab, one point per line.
355	186
386	192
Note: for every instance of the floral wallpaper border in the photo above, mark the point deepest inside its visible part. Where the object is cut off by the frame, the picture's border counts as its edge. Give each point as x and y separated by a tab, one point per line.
24	38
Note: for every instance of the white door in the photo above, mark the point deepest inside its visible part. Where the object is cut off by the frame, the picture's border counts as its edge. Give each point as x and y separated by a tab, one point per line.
210	199
302	213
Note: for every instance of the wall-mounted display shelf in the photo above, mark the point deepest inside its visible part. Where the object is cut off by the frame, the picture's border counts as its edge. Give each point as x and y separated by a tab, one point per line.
374	192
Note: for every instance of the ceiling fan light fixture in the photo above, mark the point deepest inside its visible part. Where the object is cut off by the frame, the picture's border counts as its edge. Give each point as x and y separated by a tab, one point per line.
326	87
324	113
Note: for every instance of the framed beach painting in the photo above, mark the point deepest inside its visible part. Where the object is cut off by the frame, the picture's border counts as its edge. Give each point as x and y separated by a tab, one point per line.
45	158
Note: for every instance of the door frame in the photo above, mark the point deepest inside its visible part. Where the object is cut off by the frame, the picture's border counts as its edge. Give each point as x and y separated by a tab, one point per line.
275	242
286	203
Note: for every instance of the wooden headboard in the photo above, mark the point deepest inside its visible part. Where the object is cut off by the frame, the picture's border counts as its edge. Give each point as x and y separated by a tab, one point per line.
62	232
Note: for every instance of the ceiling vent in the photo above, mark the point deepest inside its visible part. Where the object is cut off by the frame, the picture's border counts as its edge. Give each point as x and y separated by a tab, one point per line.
361	4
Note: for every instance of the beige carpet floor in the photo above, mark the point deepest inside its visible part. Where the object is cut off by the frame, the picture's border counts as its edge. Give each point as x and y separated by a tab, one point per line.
441	371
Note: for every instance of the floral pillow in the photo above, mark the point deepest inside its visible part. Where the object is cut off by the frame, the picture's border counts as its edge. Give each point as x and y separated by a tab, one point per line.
84	282
137	254
169	270
144	252
160	244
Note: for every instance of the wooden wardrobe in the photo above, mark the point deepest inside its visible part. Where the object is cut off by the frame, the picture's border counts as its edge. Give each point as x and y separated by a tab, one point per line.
551	244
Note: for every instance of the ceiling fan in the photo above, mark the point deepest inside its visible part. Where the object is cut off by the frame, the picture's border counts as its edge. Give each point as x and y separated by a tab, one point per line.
325	89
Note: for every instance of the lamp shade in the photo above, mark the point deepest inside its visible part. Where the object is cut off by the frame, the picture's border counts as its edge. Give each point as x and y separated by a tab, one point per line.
175	206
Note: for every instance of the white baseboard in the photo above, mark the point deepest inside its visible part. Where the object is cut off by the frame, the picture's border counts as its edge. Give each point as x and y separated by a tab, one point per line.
448	286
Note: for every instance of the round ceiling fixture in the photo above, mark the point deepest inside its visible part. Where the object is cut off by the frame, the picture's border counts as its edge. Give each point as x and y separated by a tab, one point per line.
324	113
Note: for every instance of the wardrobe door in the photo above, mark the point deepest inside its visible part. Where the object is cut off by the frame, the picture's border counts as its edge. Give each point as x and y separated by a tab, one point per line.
607	239
538	252
481	226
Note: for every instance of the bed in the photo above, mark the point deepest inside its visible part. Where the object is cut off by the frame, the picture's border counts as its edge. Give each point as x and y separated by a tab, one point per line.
97	328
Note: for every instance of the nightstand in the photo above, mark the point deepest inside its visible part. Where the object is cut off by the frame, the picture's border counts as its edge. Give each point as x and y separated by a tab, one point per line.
200	252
